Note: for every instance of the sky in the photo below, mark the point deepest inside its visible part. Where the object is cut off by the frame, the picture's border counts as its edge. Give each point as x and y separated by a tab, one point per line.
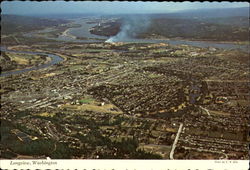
59	7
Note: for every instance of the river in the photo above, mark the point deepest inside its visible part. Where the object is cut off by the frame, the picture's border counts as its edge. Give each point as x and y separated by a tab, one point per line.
83	32
202	44
54	60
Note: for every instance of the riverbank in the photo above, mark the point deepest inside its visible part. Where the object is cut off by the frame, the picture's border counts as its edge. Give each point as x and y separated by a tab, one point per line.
67	34
50	59
160	37
81	34
198	40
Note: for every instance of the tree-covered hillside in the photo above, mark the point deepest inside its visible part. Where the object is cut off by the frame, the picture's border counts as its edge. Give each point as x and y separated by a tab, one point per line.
15	24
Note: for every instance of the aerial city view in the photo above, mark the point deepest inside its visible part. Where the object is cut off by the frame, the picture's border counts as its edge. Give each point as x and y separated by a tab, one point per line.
125	80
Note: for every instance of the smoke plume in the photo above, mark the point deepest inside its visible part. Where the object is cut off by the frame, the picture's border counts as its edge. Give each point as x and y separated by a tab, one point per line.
131	27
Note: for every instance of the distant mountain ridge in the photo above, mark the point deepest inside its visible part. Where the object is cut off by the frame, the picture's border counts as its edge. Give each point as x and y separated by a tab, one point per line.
213	13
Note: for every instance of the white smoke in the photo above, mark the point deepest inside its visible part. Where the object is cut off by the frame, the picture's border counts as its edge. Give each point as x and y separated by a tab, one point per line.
130	28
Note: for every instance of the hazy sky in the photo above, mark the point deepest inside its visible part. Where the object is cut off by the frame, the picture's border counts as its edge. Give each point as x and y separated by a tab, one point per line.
27	7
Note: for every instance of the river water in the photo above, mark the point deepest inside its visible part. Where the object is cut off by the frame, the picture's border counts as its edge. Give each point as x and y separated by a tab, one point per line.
202	44
83	32
54	60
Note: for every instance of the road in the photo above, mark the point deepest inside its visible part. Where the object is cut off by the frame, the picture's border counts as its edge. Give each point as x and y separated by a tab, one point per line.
51	132
204	109
175	141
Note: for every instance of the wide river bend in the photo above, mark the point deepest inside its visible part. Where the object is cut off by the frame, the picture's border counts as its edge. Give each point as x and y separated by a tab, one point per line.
54	60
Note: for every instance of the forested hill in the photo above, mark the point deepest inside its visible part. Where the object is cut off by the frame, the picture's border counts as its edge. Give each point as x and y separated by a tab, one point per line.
15	23
210	29
230	24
